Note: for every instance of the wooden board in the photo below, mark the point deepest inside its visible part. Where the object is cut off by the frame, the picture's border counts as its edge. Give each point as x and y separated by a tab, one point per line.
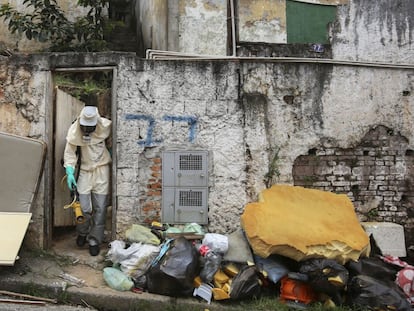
13	228
21	166
67	110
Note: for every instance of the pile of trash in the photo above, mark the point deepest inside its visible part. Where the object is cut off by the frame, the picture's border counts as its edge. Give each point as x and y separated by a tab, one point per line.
187	262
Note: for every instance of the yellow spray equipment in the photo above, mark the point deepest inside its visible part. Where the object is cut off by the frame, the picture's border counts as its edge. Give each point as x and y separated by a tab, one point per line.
75	205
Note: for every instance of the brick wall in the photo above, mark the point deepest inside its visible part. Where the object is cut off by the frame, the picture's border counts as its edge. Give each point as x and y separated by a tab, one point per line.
377	175
151	207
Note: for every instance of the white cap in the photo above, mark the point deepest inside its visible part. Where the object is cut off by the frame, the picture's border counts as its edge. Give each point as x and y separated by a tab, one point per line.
89	116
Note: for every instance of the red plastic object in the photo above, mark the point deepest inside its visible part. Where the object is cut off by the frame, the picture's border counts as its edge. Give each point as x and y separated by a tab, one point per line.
203	250
296	291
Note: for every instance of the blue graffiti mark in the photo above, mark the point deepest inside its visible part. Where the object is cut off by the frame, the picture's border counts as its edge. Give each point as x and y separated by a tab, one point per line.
148	142
192	122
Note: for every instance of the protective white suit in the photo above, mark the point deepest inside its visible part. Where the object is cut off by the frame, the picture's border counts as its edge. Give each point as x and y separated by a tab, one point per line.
93	184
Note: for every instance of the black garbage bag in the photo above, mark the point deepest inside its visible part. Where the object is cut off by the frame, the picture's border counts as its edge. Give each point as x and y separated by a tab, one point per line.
368	292
326	276
246	284
375	250
174	273
373	267
273	266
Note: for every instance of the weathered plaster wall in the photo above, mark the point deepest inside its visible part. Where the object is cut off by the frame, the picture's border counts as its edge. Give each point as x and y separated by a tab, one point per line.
325	103
23	112
255	119
365	30
324	2
199	26
380	31
262	21
188	26
152	20
376	174
274	110
185	106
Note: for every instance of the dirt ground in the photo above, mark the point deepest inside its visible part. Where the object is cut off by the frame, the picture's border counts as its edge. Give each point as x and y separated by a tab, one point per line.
82	265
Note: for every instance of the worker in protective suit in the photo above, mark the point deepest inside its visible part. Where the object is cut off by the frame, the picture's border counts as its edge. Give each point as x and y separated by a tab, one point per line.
89	132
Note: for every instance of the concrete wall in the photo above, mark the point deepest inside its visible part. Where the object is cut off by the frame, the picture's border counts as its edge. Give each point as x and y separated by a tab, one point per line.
153	94
23	107
377	31
187	26
152	20
246	114
202	27
262	21
364	30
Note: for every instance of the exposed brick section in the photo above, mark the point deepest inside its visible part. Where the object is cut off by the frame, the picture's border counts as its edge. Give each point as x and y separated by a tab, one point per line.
377	175
151	199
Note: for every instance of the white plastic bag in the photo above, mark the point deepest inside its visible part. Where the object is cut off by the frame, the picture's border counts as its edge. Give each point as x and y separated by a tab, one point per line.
217	242
134	261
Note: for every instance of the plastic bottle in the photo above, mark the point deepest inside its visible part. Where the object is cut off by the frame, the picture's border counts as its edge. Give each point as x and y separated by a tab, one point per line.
117	280
211	264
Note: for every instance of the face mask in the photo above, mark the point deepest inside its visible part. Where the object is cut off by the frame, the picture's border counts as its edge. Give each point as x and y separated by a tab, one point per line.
87	130
86	138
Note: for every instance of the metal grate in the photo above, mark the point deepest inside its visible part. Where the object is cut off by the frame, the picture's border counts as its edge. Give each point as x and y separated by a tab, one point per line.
185	186
191	198
191	162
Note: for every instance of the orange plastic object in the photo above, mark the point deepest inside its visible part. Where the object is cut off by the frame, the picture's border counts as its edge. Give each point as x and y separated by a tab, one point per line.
296	291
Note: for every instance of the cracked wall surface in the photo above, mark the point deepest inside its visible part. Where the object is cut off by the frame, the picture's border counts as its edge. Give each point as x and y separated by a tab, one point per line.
254	118
23	113
377	175
380	31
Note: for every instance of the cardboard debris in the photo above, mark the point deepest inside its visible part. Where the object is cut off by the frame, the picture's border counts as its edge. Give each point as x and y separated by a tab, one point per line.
302	223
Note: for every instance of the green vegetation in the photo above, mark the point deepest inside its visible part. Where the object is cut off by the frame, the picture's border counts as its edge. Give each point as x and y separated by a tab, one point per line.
46	22
84	84
309	179
273	169
372	214
261	304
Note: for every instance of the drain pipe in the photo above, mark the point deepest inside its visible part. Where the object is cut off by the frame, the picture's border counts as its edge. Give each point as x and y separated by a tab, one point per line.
233	28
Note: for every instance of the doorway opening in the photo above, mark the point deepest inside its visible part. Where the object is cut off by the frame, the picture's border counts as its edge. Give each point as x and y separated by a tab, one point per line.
74	89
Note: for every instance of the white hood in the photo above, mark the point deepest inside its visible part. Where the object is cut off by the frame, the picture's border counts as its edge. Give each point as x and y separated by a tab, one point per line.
102	132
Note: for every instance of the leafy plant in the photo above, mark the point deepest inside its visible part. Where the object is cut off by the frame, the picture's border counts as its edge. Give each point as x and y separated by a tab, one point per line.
46	22
372	214
273	169
83	84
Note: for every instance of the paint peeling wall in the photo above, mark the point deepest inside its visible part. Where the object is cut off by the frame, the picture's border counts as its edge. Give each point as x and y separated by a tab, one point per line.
325	2
181	106
262	21
245	114
152	19
378	31
282	109
198	26
23	99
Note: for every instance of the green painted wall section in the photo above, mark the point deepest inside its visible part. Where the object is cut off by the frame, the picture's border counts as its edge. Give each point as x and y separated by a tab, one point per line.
308	23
